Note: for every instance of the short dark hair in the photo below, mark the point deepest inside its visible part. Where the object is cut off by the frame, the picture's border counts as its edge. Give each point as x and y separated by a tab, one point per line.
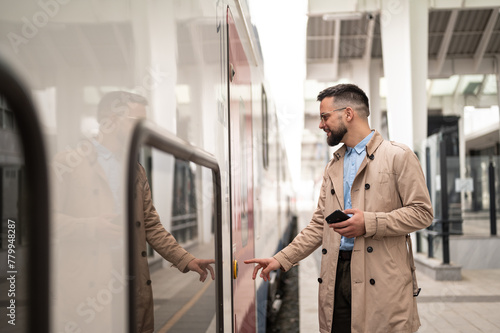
347	93
116	101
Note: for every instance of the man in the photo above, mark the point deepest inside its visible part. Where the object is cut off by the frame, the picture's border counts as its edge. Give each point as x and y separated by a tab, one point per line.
90	225
367	281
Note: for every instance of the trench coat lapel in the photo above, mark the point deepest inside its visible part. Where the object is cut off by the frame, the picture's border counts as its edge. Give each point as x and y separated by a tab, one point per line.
336	176
371	147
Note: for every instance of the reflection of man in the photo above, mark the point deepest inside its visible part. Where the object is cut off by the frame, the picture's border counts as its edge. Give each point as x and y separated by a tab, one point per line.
90	213
367	281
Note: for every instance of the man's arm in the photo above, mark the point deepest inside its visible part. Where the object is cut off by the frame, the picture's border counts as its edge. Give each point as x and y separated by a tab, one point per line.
416	211
308	240
164	243
302	245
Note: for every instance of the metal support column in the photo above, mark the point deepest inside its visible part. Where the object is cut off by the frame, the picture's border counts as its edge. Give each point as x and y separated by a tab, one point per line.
493	208
444	201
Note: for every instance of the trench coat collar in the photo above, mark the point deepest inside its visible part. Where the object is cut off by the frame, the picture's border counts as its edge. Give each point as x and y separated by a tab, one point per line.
336	173
336	168
374	143
371	148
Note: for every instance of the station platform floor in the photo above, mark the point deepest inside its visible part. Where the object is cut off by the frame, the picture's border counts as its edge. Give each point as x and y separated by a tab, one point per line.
469	305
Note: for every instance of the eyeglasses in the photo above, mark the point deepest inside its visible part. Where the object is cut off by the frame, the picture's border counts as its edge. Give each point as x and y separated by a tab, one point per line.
322	116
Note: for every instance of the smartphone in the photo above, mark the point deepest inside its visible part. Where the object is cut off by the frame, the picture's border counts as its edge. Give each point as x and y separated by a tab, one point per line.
336	216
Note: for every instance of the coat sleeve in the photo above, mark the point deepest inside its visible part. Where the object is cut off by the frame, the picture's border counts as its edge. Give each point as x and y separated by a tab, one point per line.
160	239
309	239
415	212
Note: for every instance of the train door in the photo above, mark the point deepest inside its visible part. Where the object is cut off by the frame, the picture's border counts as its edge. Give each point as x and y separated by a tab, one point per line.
241	162
181	302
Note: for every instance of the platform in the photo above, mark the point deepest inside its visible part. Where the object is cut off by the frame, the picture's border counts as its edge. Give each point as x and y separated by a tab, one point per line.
468	305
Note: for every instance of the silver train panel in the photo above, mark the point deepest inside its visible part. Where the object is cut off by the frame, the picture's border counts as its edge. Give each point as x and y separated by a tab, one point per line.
68	55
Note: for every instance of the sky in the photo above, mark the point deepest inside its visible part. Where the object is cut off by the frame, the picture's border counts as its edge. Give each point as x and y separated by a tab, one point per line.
282	33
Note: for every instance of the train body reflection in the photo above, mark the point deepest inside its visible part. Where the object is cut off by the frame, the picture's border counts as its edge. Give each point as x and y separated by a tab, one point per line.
166	253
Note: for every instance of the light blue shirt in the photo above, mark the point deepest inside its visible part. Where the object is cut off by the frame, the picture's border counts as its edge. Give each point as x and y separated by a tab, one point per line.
112	169
352	161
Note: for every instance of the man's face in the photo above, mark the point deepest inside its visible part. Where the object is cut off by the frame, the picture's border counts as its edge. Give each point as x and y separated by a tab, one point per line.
132	113
331	121
137	111
124	118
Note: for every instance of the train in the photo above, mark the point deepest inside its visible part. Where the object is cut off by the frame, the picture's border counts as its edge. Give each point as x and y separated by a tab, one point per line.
209	145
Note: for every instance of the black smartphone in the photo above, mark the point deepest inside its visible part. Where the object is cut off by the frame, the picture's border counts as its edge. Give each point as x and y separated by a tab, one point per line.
336	216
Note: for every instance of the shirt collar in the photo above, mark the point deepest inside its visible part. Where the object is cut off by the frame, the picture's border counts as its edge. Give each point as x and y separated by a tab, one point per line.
360	147
101	150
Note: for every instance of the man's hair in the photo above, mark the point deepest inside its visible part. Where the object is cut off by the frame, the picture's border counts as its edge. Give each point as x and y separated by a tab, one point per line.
345	94
116	102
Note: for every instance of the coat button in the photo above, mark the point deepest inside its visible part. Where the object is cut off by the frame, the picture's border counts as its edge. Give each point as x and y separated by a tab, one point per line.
143	253
332	191
369	249
320	280
367	186
324	251
148	282
371	157
372	282
138	223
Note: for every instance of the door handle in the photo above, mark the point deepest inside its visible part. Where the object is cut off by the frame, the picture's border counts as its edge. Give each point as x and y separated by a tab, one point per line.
235	269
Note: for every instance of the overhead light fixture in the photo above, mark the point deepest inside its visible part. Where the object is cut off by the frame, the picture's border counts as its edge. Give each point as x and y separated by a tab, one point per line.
342	16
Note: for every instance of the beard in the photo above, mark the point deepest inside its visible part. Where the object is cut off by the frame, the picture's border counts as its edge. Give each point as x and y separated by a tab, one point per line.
336	136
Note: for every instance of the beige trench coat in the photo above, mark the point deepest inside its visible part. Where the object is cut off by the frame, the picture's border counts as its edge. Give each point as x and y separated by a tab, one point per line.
83	205
150	229
390	188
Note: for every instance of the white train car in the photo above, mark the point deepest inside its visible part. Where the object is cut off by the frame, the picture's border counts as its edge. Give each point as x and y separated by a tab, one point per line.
209	144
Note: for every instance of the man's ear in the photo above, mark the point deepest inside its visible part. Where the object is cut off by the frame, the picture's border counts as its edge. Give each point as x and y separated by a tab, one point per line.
349	113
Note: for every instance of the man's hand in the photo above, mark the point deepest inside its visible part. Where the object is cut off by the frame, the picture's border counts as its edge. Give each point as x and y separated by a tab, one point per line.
267	265
201	266
353	227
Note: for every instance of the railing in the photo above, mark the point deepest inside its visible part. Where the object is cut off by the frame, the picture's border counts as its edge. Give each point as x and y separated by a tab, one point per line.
447	222
444	221
184	227
154	136
439	228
